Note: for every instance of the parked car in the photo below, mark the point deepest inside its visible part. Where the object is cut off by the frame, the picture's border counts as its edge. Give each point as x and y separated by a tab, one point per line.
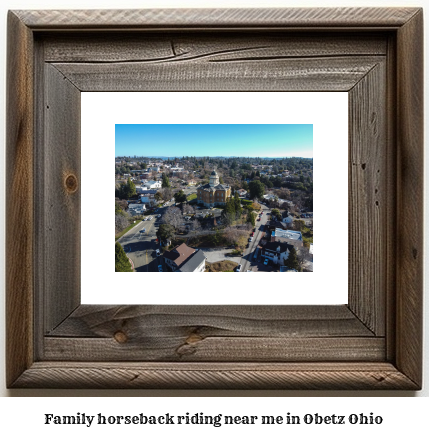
143	230
238	269
253	233
266	261
158	253
160	268
250	239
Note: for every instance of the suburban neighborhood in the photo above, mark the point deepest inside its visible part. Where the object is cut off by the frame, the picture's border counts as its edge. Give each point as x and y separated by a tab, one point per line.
213	214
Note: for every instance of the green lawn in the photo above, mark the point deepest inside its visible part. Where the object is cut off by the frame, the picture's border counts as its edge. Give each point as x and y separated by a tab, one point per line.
191	197
118	235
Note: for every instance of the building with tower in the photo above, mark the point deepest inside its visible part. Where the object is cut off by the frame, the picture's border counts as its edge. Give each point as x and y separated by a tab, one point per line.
213	193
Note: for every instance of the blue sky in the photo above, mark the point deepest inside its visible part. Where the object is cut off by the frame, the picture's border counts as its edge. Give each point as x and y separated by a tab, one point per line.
247	140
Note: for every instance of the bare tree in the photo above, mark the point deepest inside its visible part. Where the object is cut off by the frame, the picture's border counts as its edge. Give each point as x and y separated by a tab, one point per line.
298	225
121	223
188	209
173	216
228	218
196	226
166	193
233	234
303	257
284	194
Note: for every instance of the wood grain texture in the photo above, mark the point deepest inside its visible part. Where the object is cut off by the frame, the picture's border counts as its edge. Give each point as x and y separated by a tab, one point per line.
19	200
99	321
367	199
61	168
391	193
330	74
213	333
302	375
178	347
167	47
409	273
290	18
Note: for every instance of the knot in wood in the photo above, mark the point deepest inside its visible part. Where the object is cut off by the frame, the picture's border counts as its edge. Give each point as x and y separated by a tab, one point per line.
120	337
71	183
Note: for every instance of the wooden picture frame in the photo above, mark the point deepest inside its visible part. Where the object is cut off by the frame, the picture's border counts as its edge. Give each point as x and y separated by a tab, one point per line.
373	342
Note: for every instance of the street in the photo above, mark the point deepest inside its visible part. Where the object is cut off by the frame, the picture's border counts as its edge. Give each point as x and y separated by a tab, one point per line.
248	260
140	247
140	243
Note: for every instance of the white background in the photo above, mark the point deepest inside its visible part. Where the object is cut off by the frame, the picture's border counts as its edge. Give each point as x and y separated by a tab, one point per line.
328	113
400	413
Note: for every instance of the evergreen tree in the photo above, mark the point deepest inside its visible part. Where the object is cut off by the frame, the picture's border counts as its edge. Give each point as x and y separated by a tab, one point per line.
180	197
251	217
292	260
256	189
130	189
237	206
122	264
228	214
165	181
277	214
165	231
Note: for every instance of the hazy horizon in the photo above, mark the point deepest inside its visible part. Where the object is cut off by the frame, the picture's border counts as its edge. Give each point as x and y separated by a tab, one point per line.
214	157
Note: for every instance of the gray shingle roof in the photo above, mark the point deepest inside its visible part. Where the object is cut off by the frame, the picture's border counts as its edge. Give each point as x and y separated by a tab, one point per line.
193	262
209	188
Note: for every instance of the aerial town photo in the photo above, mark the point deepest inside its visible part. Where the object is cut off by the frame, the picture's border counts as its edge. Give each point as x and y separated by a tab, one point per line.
214	198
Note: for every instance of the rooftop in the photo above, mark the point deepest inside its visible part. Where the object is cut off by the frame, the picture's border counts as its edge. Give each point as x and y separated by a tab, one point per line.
280	247
287	234
179	254
193	262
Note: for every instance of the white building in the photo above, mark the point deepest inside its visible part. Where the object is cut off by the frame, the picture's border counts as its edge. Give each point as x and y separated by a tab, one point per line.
292	237
185	259
152	184
136	208
140	189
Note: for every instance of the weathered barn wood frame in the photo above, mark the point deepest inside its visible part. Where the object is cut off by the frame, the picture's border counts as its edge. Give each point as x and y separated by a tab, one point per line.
373	342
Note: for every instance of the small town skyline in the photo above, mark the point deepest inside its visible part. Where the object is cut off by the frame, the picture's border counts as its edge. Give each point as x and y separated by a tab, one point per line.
217	140
213	214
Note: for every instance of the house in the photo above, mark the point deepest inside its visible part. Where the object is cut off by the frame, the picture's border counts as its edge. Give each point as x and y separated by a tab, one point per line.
292	237
141	189
276	251
241	193
287	219
136	208
148	199
185	259
152	184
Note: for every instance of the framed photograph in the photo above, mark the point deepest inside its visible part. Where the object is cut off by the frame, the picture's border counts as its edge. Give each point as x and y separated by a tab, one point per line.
178	63
240	123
